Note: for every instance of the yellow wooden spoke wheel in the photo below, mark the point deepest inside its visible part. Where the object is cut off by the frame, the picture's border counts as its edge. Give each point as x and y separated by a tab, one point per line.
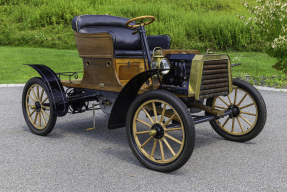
160	131
248	113
37	109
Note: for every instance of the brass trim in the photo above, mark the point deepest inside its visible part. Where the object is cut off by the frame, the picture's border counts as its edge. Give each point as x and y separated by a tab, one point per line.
152	132
33	107
197	69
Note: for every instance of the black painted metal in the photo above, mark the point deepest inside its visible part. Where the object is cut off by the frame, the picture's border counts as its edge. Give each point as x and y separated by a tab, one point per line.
206	118
186	57
145	47
127	95
56	90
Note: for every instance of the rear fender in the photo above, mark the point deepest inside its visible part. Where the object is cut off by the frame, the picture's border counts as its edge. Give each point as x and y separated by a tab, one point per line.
125	98
55	88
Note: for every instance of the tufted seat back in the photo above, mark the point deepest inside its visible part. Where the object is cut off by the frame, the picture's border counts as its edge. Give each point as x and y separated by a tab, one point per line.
125	43
115	26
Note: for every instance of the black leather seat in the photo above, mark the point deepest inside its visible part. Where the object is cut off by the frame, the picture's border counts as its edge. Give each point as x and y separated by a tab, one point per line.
125	43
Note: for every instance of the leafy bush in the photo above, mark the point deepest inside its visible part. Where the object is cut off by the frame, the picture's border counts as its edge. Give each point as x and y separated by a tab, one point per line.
271	24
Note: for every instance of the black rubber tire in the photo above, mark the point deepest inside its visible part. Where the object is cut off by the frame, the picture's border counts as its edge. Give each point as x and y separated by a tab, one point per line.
261	116
52	117
187	123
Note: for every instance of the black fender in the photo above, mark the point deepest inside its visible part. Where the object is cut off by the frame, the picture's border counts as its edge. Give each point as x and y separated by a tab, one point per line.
126	96
55	87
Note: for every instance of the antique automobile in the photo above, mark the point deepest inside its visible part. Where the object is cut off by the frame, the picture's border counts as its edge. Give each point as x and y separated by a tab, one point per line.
157	93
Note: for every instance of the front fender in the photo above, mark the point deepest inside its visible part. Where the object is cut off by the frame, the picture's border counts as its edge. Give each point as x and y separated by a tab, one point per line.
126	96
55	87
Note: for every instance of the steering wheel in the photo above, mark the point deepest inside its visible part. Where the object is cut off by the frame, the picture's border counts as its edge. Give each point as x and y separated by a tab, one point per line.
141	22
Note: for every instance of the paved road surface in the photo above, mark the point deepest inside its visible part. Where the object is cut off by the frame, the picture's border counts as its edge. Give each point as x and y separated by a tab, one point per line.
73	159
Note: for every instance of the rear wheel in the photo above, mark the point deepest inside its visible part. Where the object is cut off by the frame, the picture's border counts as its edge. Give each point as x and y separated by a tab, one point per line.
156	142
249	113
37	107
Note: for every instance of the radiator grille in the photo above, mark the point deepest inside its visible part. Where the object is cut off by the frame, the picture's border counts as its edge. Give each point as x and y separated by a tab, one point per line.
214	81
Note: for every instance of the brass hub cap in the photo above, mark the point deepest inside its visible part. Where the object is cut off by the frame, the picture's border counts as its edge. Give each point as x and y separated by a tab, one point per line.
158	130
155	136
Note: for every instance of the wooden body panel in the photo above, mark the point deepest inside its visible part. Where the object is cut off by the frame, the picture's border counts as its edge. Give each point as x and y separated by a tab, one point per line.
95	45
104	72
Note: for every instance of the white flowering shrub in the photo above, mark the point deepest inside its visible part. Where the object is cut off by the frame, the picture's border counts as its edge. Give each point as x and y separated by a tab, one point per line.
270	21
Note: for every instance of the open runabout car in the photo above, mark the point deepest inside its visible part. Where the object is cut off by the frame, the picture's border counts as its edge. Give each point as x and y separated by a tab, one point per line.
157	93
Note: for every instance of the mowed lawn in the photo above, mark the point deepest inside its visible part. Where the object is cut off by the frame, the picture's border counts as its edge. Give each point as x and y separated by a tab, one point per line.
12	60
255	65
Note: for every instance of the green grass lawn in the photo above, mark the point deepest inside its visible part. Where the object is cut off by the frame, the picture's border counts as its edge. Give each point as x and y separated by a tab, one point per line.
256	67
13	58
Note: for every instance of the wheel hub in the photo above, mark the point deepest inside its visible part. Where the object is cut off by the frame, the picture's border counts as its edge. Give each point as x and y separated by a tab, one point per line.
235	111
157	131
38	106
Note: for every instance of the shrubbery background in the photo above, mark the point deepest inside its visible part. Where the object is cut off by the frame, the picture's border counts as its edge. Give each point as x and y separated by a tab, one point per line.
197	24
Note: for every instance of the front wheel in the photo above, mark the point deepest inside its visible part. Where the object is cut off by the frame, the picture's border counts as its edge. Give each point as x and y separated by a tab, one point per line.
37	107
156	142
249	113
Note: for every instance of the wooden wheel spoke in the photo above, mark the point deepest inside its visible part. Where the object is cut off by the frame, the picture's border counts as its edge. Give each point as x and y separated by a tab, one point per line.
36	98
38	95
169	119
141	121
43	119
31	98
174	139
146	141
245	120
223	101
161	150
246	106
235	96
44	100
153	148
242	99
225	121
168	146
41	97
162	114
39	119
174	129
32	112
221	107
154	112
35	118
46	107
229	100
233	120
142	132
45	113
147	114
240	124
253	114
